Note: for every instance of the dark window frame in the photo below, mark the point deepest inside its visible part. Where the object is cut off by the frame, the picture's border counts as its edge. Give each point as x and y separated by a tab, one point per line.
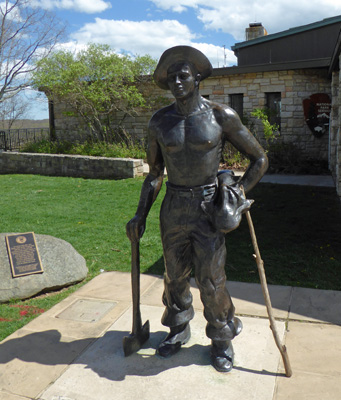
237	103
273	104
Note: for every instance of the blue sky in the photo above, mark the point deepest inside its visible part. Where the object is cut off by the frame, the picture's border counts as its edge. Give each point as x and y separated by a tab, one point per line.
152	26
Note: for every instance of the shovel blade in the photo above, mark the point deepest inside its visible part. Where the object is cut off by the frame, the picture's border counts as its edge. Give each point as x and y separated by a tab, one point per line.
135	341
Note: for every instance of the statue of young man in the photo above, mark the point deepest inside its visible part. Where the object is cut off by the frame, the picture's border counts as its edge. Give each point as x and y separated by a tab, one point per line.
187	138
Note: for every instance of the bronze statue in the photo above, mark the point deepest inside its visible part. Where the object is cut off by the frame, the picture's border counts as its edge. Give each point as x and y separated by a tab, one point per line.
200	205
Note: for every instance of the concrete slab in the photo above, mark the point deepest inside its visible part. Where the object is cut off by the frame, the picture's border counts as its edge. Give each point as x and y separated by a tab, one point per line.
115	286
306	386
315	352
102	371
30	361
315	348
87	310
249	300
81	358
76	329
316	305
9	396
305	180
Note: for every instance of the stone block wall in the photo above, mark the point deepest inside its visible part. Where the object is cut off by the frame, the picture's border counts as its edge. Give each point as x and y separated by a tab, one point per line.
294	86
69	165
335	130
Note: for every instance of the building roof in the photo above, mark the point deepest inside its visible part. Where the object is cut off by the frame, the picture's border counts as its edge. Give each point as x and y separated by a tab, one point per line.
313	44
285	66
334	63
289	32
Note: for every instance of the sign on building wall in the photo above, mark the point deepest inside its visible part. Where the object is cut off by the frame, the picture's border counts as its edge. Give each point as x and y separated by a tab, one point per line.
317	113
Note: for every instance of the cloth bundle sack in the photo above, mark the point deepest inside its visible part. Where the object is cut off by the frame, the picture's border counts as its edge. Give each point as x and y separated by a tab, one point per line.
228	204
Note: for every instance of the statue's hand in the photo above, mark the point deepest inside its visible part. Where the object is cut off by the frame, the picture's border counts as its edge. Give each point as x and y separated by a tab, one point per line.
135	228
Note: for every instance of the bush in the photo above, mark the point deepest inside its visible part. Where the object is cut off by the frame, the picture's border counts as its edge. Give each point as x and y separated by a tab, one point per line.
232	158
98	149
287	158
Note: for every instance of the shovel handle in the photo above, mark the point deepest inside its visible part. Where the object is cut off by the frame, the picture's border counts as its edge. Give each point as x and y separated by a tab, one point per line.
135	285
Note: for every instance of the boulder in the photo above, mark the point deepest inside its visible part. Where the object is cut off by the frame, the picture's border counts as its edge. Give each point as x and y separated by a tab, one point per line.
62	265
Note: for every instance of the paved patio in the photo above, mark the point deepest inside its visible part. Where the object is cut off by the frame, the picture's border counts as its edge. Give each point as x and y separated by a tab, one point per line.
74	350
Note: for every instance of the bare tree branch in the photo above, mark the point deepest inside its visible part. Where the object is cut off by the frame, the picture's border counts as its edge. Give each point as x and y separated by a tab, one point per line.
13	109
27	34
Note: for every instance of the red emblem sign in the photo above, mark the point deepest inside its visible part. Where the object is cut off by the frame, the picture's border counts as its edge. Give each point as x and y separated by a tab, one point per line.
317	113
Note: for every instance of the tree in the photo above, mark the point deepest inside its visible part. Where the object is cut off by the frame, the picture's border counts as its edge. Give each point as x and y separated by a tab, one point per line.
12	109
96	83
27	33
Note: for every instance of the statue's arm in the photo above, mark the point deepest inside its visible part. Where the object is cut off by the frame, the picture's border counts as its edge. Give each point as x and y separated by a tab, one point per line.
243	140
150	187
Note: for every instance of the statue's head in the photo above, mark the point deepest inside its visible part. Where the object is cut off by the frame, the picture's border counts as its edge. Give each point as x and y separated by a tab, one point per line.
183	79
181	58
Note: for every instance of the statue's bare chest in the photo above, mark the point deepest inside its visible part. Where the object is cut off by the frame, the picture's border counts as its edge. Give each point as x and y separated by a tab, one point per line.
196	133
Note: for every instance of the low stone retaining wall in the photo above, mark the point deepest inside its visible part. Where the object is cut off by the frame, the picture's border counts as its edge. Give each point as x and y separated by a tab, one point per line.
70	165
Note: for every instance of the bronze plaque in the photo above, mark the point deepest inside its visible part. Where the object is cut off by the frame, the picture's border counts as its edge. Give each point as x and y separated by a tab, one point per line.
23	254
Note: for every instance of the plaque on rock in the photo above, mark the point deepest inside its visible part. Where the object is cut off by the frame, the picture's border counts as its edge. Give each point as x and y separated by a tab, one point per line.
23	254
317	113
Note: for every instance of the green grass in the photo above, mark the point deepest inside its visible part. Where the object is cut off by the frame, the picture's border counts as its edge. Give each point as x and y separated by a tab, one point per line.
298	231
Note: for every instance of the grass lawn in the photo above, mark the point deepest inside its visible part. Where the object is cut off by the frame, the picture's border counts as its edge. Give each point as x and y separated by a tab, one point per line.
298	231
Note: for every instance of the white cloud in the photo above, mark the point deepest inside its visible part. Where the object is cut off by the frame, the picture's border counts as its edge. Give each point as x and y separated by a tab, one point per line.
147	37
12	13
85	6
134	36
217	55
234	16
176	6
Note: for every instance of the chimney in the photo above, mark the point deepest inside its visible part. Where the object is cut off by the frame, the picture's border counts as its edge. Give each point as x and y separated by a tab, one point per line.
255	30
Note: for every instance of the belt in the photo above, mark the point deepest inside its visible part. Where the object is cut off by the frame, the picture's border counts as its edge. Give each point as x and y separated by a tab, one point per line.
192	191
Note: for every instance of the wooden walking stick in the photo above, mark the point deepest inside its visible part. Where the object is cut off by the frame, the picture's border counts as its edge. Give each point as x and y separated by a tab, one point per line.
262	276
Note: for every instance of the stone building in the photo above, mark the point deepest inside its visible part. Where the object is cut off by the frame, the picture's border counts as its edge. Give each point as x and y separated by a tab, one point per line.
295	73
335	123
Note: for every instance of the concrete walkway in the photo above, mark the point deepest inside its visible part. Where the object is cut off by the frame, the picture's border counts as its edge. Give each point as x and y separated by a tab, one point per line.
74	350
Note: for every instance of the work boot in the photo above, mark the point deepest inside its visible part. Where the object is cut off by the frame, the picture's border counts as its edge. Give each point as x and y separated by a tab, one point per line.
222	355
177	336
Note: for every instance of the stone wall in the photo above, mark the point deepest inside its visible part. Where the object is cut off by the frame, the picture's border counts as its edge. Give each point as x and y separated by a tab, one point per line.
335	130
294	86
69	165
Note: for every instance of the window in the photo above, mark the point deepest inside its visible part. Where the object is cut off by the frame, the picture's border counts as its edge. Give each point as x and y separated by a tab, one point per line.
273	104
236	102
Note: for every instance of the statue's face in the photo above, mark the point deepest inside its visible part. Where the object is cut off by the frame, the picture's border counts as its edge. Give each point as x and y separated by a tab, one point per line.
181	80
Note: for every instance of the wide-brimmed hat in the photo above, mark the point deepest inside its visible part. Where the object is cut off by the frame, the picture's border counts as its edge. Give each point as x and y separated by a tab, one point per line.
178	54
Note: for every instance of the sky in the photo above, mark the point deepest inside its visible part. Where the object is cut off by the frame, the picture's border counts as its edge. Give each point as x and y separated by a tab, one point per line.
139	27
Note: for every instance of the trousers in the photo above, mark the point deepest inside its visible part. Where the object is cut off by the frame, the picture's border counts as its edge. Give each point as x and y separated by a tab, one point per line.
191	242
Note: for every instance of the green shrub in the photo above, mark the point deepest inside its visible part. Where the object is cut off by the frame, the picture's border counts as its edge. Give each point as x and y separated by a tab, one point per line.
232	158
271	131
97	149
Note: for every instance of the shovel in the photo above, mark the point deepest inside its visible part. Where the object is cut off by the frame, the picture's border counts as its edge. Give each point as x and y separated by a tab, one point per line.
139	334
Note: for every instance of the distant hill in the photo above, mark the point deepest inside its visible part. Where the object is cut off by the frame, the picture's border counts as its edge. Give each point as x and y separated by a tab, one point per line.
27	123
